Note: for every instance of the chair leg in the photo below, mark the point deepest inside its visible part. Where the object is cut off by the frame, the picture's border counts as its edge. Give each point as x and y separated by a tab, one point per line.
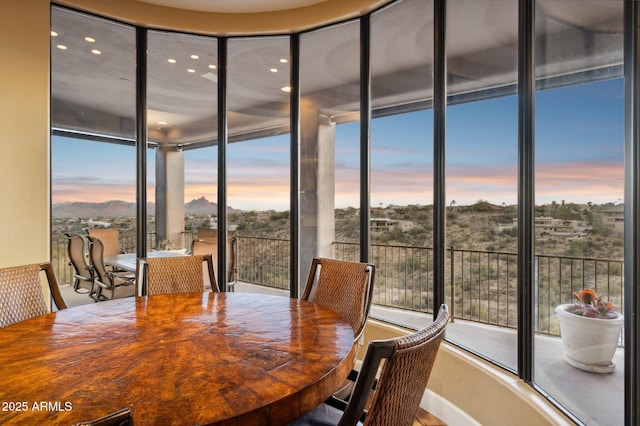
95	291
77	288
99	297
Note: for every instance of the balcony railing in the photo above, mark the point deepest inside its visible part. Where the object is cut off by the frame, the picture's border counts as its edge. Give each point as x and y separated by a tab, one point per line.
480	286
263	261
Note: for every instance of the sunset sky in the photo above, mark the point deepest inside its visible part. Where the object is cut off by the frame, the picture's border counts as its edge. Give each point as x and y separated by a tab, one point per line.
579	158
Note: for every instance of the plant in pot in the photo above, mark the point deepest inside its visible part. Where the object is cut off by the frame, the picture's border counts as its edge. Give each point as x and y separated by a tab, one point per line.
590	329
165	245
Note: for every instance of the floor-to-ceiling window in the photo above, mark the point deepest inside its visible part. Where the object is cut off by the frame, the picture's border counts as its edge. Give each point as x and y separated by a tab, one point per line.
258	187
401	221
579	187
93	154
481	175
181	117
329	142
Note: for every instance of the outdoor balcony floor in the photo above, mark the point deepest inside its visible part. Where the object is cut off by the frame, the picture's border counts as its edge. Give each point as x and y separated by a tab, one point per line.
596	399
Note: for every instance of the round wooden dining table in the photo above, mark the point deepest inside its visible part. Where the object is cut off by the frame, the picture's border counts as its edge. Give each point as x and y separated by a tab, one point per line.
176	359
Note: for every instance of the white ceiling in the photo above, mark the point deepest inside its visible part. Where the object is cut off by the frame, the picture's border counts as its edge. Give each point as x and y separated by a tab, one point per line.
234	6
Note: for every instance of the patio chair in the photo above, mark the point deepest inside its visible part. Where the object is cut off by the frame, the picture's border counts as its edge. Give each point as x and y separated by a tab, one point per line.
345	287
110	284
180	274
122	417
110	238
394	398
204	233
21	295
83	276
209	245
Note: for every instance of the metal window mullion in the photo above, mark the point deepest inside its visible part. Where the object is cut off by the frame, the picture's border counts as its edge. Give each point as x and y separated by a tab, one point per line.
631	212
294	208
439	126
365	137
526	193
141	142
222	162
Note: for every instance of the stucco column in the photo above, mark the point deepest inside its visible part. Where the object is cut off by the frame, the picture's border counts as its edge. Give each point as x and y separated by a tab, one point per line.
317	186
170	195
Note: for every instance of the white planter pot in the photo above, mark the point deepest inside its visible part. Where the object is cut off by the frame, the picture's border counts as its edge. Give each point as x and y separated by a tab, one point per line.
589	343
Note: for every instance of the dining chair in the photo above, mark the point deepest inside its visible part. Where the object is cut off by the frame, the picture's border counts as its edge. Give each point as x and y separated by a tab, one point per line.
209	245
21	295
346	287
110	284
394	397
83	275
180	274
122	417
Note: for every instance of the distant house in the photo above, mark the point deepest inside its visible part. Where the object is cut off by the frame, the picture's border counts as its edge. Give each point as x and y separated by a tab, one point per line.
96	223
549	226
546	226
381	225
613	216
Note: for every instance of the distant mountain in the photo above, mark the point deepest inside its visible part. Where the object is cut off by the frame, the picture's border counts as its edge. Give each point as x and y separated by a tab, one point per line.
200	206
114	208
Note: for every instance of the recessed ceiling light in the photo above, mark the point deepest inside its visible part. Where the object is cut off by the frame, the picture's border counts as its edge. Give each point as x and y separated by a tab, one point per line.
171	61
162	123
54	34
96	52
274	70
284	61
191	70
286	89
90	39
61	47
213	67
195	57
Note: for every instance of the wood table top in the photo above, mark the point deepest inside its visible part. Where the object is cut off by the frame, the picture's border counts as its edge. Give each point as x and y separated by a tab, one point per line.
175	359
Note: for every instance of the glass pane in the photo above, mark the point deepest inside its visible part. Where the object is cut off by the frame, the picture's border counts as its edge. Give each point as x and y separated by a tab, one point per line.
481	176
200	193
258	158
93	63
329	142
402	161
579	201
182	118
93	155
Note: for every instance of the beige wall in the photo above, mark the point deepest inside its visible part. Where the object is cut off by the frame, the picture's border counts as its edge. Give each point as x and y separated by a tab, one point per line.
287	21
24	132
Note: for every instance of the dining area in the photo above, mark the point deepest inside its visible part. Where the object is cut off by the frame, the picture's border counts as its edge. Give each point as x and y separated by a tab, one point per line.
182	354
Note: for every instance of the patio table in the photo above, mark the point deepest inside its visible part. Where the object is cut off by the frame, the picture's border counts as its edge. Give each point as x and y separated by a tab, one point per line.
127	261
